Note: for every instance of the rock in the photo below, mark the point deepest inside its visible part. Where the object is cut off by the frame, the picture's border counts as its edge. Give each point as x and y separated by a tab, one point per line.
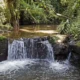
75	49
61	51
61	38
3	49
34	47
41	50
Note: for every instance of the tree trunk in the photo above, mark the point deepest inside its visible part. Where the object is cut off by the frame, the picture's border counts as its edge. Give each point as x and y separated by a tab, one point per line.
16	25
14	15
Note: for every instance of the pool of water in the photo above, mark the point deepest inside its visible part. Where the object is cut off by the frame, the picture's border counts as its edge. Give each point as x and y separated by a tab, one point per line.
30	31
34	69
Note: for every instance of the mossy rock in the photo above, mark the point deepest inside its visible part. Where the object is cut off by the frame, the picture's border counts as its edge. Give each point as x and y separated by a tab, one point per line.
3	48
53	39
78	43
2	38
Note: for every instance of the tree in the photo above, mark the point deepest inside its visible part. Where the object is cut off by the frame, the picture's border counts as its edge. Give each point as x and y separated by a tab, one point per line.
13	6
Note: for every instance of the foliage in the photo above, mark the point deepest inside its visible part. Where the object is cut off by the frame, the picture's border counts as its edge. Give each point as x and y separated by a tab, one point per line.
72	14
78	43
38	11
4	17
53	39
42	12
59	5
13	6
2	38
32	11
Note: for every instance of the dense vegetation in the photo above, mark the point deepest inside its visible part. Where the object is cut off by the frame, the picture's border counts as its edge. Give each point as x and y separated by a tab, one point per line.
71	21
66	13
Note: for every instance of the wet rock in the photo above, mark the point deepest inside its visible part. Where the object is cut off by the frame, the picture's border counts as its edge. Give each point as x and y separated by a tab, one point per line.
60	46
44	38
58	38
75	49
39	47
3	49
34	47
61	51
42	51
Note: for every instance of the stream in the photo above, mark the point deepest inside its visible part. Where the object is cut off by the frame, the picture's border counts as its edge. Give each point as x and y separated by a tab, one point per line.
32	58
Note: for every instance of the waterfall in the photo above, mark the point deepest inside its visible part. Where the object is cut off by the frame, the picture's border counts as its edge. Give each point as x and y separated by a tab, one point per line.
50	53
16	50
30	48
67	61
69	56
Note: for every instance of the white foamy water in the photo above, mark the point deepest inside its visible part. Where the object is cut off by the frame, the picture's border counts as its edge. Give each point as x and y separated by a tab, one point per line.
13	65
8	66
60	66
16	50
32	69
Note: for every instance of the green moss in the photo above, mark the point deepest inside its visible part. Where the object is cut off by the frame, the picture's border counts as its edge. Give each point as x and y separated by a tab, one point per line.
2	38
53	39
78	43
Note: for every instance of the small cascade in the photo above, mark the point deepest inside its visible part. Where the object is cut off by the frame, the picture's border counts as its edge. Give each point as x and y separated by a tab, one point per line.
50	53
69	56
16	50
35	48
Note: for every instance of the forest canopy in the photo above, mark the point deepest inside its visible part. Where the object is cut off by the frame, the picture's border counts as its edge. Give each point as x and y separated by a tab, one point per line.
65	13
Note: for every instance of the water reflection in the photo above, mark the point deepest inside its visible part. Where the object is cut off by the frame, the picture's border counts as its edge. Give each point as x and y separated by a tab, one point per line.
30	31
40	27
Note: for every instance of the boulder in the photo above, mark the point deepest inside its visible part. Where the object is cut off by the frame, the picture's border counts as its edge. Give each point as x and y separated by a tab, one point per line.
75	49
60	46
35	48
3	49
61	51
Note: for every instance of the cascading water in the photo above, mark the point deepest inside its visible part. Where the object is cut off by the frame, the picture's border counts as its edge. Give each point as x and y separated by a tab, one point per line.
69	56
16	50
67	61
33	59
30	48
50	53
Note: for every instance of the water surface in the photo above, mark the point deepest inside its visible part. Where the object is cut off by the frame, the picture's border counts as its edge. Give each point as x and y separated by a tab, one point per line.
30	31
31	69
36	69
